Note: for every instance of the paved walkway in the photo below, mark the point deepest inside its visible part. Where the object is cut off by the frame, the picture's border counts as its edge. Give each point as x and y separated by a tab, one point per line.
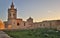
4	35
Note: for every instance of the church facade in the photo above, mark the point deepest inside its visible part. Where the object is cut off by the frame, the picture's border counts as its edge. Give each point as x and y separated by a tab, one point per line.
18	23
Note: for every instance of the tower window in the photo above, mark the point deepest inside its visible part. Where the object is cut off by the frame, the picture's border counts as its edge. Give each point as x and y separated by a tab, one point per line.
18	24
10	14
13	14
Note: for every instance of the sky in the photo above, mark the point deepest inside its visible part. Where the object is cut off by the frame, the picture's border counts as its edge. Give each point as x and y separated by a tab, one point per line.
39	10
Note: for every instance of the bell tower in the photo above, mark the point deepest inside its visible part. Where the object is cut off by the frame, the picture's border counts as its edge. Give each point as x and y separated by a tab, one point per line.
12	12
12	15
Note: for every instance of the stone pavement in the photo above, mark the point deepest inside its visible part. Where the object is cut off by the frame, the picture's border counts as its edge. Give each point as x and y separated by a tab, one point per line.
4	35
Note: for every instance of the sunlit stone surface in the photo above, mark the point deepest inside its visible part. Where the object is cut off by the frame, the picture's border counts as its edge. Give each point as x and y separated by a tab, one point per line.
2	26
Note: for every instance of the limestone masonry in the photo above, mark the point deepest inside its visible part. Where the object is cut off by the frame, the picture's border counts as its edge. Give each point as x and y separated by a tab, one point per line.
18	23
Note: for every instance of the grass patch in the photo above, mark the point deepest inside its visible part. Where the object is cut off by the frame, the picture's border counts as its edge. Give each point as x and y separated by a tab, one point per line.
34	33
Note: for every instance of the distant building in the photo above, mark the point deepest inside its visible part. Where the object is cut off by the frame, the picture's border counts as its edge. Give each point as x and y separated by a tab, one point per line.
18	23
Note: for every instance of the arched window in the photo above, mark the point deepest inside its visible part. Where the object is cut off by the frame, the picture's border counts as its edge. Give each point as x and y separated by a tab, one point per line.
13	14
24	24
18	24
43	24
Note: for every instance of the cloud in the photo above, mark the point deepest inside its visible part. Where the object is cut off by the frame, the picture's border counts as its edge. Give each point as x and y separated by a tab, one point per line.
49	11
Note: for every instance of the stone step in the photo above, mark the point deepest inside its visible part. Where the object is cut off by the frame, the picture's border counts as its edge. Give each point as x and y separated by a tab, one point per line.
4	35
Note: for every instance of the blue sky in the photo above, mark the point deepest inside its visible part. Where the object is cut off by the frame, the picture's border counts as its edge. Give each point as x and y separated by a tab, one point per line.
39	10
